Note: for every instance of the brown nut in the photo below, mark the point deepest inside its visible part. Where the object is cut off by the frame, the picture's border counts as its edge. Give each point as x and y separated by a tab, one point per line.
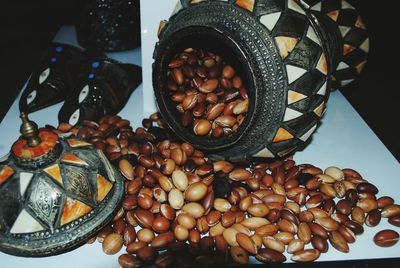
181	233
386	238
395	220
239	174
229	235
385	201
320	244
128	261
186	220
373	218
112	243
267	255
338	241
195	192
391	211
163	240
145	235
246	243
306	255
160	224
295	245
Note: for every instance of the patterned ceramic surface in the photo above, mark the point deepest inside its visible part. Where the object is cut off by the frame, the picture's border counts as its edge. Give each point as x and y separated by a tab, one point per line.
294	54
55	195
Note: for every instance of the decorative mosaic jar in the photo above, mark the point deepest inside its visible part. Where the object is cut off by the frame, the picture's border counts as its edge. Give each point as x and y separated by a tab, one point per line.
56	192
289	54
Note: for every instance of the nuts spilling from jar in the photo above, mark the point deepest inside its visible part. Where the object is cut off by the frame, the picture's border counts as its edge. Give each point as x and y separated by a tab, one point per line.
201	211
208	93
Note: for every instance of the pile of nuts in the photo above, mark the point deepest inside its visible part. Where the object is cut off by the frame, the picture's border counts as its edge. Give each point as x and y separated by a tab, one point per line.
182	209
207	92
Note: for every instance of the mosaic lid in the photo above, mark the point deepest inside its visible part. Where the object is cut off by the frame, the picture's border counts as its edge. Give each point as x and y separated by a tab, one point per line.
56	192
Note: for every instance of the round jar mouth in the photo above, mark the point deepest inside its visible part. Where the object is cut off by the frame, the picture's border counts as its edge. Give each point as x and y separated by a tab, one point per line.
210	40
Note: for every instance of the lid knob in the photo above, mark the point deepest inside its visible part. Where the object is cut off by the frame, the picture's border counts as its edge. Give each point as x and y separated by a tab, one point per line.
29	131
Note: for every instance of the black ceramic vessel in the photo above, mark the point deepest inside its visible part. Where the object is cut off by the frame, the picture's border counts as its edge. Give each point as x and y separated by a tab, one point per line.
286	52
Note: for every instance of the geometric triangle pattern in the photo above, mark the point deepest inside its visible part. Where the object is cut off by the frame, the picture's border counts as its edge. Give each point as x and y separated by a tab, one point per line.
24	180
75	143
103	188
73	209
25	223
5	173
54	172
351	27
246	4
304	62
73	159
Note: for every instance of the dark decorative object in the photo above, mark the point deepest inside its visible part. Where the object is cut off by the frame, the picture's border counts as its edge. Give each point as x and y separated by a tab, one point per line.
102	88
52	79
109	25
285	52
56	193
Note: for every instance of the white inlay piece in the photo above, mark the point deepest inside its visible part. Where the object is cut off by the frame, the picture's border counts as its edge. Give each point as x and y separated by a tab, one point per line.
74	118
346	5
312	35
308	133
25	223
344	30
291	114
342	65
83	94
31	97
264	153
304	3
346	82
317	7
177	8
294	72
270	20
295	7
43	76
365	46
24	180
322	90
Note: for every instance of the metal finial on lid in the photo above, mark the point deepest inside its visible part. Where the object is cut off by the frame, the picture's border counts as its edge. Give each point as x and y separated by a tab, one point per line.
29	131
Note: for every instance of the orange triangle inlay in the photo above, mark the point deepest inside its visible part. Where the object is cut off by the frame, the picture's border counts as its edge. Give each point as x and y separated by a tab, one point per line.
333	14
322	65
73	159
246	4
282	135
285	45
361	66
77	143
320	109
55	173
360	23
5	174
73	209
103	187
294	96
347	49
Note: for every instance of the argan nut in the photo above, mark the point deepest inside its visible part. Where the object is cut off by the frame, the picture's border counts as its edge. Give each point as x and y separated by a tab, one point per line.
306	255
386	238
112	243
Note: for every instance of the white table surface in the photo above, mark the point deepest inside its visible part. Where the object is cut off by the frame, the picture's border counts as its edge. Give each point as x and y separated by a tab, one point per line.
343	140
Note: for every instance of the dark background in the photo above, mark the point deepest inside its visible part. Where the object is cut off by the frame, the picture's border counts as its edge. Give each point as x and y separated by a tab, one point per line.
27	26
